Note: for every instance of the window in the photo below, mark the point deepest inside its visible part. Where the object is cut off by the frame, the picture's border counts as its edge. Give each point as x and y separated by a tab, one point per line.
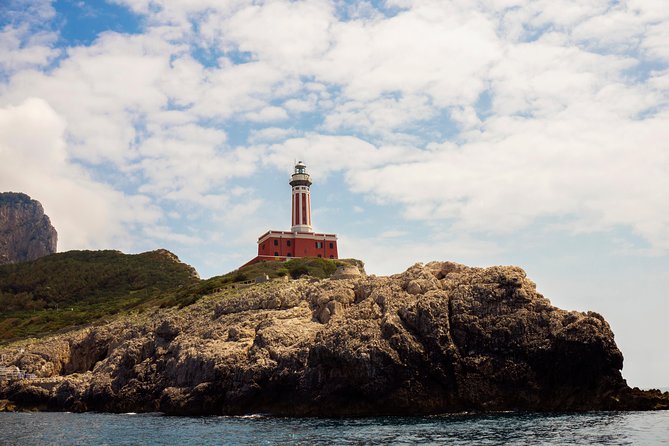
287	242
276	254
331	256
320	255
319	245
276	242
331	245
289	255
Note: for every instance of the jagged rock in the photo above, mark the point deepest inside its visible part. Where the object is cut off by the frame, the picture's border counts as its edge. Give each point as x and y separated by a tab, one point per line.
346	272
437	338
7	406
25	231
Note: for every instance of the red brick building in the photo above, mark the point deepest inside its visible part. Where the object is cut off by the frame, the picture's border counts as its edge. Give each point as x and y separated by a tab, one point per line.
301	240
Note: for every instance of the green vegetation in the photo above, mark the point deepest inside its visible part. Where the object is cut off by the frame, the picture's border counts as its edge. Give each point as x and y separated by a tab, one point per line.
78	287
295	268
75	288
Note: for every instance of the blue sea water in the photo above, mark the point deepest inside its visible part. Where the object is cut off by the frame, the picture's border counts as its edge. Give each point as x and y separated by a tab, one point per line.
595	428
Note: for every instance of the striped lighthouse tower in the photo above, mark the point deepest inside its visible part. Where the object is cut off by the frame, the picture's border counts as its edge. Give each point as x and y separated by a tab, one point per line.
301	215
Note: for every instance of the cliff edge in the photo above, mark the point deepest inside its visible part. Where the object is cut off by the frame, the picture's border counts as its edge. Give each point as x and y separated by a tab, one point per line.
25	231
437	338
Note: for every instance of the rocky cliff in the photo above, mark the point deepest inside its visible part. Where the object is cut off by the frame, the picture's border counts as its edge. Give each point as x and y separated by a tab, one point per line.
437	338
25	231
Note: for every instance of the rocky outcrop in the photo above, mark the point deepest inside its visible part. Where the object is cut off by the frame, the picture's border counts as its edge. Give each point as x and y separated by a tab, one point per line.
346	272
25	231
437	338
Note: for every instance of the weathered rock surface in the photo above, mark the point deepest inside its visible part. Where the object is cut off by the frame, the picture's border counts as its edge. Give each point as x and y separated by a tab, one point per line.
437	338
25	231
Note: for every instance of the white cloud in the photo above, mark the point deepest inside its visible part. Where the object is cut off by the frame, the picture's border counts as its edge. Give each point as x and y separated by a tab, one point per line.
270	134
281	32
302	105
86	213
327	153
267	114
103	91
25	41
466	108
381	116
161	233
386	256
656	41
595	173
392	233
235	89
21	49
415	52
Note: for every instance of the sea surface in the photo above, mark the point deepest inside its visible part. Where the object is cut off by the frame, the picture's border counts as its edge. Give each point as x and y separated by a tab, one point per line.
594	428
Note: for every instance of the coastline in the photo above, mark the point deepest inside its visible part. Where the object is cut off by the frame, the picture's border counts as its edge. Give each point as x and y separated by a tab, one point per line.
438	338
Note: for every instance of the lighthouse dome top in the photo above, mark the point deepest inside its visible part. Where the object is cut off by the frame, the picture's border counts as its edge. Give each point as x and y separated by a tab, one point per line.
300	167
300	177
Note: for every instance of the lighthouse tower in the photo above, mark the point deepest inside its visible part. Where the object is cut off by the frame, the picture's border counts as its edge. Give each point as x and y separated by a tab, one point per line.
301	240
301	182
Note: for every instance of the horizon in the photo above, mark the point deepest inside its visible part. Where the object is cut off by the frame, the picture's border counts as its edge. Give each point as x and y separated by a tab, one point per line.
485	133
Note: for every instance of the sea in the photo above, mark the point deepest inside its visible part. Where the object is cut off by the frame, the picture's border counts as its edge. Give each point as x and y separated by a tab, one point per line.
592	428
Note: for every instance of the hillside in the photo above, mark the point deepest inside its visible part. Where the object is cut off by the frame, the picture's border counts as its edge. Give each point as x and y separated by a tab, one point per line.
76	287
69	289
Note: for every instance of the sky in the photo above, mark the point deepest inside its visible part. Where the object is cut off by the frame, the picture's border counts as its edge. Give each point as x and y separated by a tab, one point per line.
486	132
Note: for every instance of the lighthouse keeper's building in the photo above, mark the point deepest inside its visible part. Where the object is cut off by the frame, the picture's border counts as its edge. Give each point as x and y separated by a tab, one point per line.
301	240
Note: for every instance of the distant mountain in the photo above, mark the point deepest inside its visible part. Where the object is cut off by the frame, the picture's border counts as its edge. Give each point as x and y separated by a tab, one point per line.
25	231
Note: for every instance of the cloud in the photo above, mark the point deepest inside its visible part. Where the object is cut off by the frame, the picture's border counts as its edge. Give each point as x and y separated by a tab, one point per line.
381	116
328	153
86	213
282	33
592	173
270	134
384	256
267	114
21	49
25	40
92	90
418	51
488	116
392	233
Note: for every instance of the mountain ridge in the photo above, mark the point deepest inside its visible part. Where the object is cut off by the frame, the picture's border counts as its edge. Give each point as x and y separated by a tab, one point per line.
26	232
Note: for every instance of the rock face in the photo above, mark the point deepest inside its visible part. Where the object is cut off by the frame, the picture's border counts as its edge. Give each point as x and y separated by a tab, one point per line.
25	231
437	338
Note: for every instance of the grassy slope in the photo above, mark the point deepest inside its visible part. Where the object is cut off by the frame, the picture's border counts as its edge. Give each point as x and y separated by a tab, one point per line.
313	267
74	288
77	287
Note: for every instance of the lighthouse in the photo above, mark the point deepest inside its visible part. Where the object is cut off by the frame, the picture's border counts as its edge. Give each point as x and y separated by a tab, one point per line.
301	240
301	182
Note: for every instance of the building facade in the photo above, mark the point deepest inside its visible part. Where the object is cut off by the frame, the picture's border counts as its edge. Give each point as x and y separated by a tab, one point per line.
301	240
